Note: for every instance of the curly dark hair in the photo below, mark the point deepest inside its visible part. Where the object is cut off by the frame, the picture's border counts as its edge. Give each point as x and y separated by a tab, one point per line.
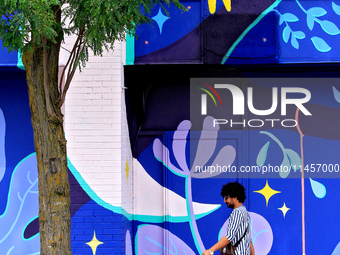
234	189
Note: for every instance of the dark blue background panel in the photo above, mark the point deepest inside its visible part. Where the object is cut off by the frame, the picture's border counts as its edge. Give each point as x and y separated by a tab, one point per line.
8	59
18	131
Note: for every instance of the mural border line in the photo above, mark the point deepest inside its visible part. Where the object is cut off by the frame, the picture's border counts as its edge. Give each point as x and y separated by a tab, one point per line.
245	32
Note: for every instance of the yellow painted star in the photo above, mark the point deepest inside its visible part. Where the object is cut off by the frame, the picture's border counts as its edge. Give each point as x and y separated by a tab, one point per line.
94	243
127	169
284	209
267	192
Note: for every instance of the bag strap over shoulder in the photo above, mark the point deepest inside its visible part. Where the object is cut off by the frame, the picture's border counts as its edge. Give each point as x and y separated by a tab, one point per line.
245	232
239	241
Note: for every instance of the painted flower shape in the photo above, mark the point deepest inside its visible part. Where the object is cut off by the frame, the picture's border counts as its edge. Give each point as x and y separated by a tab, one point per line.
205	150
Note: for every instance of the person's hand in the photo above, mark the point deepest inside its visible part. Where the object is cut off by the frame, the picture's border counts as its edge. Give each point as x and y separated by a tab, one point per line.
252	250
206	252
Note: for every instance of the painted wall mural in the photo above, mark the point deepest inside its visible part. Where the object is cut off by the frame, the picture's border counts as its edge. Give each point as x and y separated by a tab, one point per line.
150	237
18	172
205	150
176	209
96	226
288	209
241	32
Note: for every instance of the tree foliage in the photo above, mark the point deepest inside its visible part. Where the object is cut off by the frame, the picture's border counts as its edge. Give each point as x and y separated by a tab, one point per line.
26	24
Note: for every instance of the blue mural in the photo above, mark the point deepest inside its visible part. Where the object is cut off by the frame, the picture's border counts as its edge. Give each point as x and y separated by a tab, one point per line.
240	32
179	209
308	31
283	205
18	168
8	59
274	205
94	228
22	197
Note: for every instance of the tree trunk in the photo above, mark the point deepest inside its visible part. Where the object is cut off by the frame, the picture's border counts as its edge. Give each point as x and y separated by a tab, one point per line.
50	146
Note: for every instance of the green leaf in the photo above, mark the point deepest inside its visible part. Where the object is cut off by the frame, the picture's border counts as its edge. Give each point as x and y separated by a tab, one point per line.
317	11
285	34
299	34
336	94
289	17
294	42
294	158
336	8
310	21
285	167
329	27
262	156
320	44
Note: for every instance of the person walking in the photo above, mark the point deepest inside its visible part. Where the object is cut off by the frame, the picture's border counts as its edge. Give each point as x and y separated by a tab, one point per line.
238	230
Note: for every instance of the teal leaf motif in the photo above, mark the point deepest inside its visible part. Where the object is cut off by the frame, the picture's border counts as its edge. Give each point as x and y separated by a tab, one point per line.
316	11
336	94
320	44
289	17
285	167
261	157
336	8
310	21
294	158
294	42
290	157
286	34
299	34
329	27
281	21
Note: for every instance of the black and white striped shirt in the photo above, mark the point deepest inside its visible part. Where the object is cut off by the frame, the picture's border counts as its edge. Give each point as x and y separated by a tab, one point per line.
239	221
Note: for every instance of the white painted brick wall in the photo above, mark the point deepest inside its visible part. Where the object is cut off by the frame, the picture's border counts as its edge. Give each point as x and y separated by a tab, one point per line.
96	126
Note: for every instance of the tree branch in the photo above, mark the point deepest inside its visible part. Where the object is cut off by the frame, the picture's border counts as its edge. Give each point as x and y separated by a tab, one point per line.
70	75
65	49
72	63
7	17
67	63
46	82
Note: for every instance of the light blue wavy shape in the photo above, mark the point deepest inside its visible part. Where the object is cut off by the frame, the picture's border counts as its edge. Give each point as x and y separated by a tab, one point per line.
22	206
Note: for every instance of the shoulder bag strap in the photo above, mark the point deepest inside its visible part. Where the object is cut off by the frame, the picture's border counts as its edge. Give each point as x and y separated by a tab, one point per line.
239	241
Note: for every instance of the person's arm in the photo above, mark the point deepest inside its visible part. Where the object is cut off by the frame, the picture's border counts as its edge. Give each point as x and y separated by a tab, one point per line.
220	244
233	224
252	250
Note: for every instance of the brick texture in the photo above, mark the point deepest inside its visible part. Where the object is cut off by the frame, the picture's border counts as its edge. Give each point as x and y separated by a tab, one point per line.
98	146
